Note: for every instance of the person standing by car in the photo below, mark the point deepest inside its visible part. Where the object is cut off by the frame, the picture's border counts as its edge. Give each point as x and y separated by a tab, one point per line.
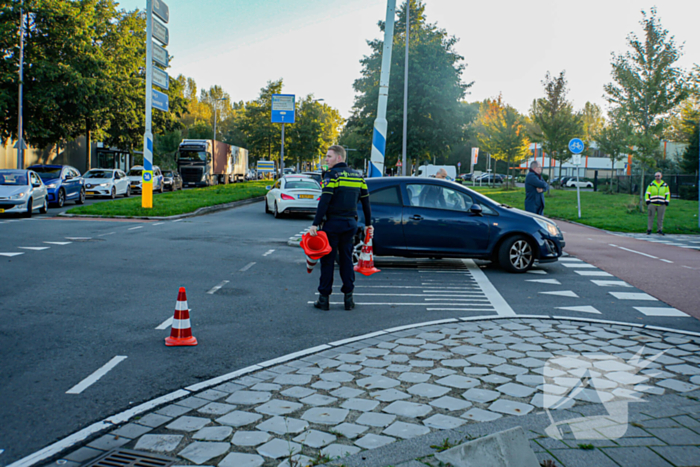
535	187
657	197
336	215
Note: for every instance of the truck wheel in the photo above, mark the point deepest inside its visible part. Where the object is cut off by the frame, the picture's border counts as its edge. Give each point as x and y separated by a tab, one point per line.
516	255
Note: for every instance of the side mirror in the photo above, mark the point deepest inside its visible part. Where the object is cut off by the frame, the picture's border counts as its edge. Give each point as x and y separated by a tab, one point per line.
268	187
475	209
36	184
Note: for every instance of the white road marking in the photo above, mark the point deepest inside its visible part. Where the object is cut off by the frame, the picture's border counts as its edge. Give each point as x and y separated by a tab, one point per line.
499	303
166	324
461	309
401	304
634	251
409	295
593	273
93	378
611	283
632	296
58	243
577	265
569	259
582	309
536	271
562	293
78	238
134	228
666	261
269	252
659	311
247	266
34	248
544	281
457	299
432	289
687	267
10	255
158	223
178	220
105	234
217	287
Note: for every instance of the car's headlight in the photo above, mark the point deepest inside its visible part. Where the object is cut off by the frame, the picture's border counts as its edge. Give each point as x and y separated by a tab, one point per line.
103	184
52	185
18	196
550	227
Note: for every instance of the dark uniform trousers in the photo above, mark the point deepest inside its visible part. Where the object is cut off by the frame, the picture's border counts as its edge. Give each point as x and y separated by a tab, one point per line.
341	234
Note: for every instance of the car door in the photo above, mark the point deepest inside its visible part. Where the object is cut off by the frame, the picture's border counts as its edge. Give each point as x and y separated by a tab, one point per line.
272	194
387	212
38	192
437	219
72	183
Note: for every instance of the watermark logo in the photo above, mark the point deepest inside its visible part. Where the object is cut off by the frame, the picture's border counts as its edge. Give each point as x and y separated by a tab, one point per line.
597	378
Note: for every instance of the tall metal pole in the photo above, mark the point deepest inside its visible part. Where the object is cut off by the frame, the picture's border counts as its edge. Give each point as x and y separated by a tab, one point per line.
215	108
147	186
20	129
405	90
376	166
282	154
699	178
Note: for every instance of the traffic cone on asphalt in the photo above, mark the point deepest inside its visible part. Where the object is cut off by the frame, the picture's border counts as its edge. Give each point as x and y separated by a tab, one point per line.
366	264
315	248
181	331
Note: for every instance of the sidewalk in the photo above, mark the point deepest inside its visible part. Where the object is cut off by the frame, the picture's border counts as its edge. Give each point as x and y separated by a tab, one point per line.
385	399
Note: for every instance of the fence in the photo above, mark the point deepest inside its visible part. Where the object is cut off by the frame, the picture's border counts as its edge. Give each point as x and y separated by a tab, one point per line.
681	186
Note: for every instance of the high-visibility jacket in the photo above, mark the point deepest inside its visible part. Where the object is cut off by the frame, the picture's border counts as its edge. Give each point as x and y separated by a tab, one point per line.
343	188
658	193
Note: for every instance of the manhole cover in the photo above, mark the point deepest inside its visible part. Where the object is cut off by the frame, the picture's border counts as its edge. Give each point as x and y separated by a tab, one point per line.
127	458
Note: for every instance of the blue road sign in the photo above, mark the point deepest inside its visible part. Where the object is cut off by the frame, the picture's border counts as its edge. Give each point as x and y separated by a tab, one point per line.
147	176
283	108
160	100
576	146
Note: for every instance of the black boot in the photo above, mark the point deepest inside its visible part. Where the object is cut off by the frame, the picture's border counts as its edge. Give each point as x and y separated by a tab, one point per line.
323	303
648	232
661	232
349	302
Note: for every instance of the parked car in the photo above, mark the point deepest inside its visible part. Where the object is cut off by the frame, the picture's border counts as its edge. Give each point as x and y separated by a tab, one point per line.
432	218
318	176
465	177
106	182
490	178
250	175
172	180
293	193
22	191
63	183
571	182
135	174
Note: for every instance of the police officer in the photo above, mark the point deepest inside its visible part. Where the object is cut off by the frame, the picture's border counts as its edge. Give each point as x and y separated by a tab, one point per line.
343	187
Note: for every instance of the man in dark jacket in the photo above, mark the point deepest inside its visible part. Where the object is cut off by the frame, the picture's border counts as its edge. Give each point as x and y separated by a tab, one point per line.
534	189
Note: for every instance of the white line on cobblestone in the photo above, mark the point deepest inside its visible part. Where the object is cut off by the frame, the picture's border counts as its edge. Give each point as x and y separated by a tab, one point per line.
602	321
166	324
223	378
419	325
247	266
217	287
93	378
356	338
269	252
499	303
294	356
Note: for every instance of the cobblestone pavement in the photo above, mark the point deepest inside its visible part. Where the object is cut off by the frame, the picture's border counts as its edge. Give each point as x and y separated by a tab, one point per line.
409	386
691	242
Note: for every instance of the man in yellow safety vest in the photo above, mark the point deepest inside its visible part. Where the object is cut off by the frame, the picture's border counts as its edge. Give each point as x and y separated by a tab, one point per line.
657	197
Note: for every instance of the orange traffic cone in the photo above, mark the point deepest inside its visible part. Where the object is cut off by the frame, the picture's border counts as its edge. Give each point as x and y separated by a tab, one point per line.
181	332
366	264
315	248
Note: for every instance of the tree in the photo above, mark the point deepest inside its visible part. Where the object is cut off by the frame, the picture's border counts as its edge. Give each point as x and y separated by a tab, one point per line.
317	127
593	123
555	119
613	138
501	132
646	87
435	117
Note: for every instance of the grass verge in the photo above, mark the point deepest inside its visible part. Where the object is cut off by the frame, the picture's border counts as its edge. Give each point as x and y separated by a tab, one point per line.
613	212
177	202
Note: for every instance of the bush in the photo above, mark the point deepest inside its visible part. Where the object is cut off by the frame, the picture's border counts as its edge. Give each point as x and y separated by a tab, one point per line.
689	192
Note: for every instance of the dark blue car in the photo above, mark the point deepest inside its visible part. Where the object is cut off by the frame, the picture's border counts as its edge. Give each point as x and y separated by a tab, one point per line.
433	218
63	182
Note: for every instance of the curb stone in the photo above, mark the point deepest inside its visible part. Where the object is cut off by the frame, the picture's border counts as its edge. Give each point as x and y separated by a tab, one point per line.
199	212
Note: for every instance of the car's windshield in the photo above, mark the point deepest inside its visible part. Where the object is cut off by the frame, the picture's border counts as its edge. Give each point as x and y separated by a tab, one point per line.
199	156
98	174
135	172
13	178
302	184
167	173
47	173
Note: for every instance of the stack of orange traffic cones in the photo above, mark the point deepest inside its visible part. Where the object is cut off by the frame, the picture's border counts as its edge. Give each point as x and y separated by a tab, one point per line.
366	264
181	331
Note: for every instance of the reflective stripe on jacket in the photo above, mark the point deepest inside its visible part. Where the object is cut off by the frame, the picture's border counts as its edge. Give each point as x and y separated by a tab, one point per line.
658	193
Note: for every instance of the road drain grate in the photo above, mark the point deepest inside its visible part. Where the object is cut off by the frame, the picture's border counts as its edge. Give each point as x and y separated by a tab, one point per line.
129	458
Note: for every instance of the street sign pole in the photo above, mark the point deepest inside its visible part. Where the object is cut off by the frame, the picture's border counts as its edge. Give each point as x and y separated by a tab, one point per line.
20	130
578	188
282	154
147	186
576	147
405	92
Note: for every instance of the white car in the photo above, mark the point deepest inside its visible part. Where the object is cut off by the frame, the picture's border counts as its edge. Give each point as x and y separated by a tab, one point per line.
571	183
135	174
22	191
293	193
106	182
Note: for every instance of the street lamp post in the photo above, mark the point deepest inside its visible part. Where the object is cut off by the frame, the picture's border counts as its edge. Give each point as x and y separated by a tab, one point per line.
20	130
405	93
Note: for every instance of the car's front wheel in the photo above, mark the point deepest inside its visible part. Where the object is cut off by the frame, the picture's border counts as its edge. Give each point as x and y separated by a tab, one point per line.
61	199
30	205
81	197
113	194
516	255
45	207
127	193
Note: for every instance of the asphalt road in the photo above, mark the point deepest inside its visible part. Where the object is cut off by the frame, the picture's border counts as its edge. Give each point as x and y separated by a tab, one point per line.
70	309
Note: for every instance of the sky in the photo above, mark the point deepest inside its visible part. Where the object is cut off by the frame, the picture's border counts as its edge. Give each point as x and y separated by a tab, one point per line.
316	46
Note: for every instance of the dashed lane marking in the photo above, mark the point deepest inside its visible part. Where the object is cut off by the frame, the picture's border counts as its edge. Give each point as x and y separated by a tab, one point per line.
594	273
217	287
582	309
247	266
10	255
58	243
562	293
158	223
166	324
660	311
134	228
178	220
78	238
93	378
611	283
105	234
34	248
544	281
269	252
666	261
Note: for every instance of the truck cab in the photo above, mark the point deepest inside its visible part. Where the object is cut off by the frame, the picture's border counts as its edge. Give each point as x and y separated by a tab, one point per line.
194	162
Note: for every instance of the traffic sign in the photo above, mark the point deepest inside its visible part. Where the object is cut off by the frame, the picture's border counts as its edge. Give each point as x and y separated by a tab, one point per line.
399	163
161	10
576	160
266	166
160	32
147	176
576	146
160	100
459	164
160	55
160	78
283	108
